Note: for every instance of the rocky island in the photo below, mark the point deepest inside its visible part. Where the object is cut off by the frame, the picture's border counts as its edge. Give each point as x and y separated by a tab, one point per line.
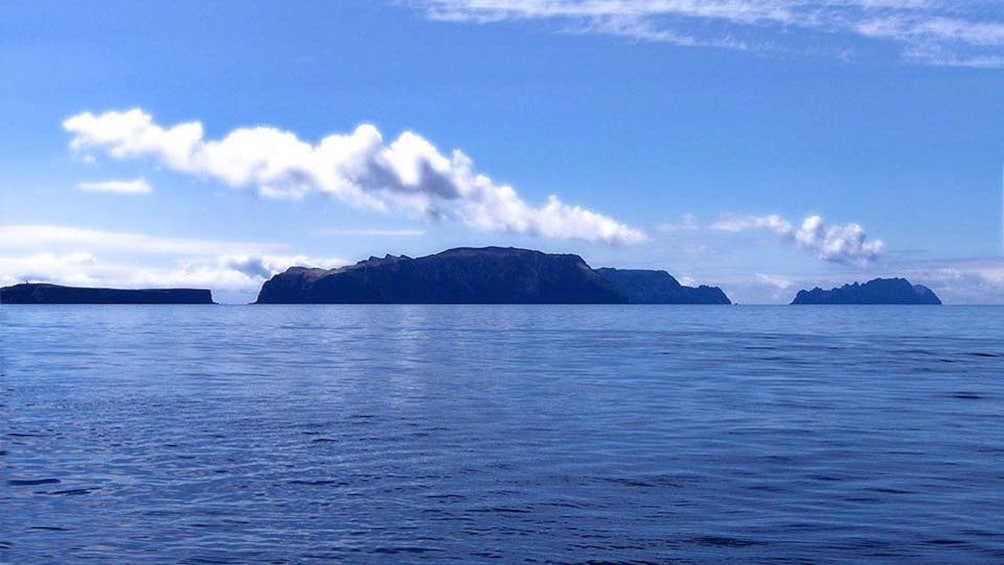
875	291
41	293
659	287
490	275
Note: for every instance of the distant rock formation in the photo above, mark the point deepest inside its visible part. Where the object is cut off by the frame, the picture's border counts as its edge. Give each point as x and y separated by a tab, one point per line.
659	287
40	293
876	291
490	275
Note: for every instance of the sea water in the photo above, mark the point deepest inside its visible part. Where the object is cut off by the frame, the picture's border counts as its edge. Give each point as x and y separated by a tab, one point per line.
217	434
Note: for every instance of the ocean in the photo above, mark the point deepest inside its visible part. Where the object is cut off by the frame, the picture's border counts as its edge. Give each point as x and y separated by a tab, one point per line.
510	434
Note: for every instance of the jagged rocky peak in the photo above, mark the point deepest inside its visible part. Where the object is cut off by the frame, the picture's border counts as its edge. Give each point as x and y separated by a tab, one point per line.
875	291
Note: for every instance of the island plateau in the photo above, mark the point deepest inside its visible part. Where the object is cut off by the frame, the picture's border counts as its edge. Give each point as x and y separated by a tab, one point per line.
489	275
41	293
875	291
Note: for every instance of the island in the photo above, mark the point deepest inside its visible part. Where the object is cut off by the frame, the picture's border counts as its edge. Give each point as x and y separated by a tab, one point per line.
659	287
488	275
42	293
875	291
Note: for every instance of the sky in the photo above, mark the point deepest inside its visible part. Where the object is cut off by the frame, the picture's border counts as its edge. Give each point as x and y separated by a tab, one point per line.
761	146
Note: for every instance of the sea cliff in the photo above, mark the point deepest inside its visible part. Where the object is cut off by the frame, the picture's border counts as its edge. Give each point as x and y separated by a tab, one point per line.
490	275
659	287
40	293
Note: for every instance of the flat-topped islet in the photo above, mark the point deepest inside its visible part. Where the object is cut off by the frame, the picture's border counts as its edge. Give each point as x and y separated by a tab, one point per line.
43	293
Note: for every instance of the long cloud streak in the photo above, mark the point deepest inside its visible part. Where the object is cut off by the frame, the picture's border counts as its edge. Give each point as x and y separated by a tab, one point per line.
938	32
359	168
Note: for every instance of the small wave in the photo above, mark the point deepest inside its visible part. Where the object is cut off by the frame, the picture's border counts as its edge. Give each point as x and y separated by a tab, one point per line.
318	482
405	549
502	510
725	541
445	497
32	482
73	491
890	490
966	396
944	542
209	560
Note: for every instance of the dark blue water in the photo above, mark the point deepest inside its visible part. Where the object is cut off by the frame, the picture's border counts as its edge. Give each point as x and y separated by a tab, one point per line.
511	433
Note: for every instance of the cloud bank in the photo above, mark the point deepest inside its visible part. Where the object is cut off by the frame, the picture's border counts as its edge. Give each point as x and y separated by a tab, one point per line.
839	244
956	281
358	168
236	273
138	186
27	237
78	256
936	32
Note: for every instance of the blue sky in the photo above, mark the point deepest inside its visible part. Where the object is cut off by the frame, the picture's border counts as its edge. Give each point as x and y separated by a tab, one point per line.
760	146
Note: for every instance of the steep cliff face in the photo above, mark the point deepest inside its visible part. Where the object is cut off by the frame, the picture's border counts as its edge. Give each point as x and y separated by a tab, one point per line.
38	293
876	291
491	275
659	287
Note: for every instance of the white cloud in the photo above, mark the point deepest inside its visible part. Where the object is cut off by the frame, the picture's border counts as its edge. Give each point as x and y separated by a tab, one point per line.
86	257
137	186
955	281
735	223
686	222
974	281
840	244
939	32
358	168
777	281
33	237
243	273
372	232
71	268
262	267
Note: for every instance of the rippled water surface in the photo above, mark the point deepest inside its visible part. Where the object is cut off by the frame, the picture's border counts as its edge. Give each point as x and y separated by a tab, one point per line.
206	434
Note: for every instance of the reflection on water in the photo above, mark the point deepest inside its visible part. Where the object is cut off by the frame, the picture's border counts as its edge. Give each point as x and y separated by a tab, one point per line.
511	433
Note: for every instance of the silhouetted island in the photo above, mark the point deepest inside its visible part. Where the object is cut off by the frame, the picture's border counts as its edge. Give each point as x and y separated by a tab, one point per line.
876	291
659	287
41	293
490	275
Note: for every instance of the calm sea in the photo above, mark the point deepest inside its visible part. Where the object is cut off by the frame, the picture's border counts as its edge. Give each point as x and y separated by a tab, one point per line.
217	434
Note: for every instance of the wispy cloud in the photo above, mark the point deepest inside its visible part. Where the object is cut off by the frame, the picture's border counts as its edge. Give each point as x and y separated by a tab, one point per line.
137	186
937	32
836	243
409	174
68	238
686	222
372	232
